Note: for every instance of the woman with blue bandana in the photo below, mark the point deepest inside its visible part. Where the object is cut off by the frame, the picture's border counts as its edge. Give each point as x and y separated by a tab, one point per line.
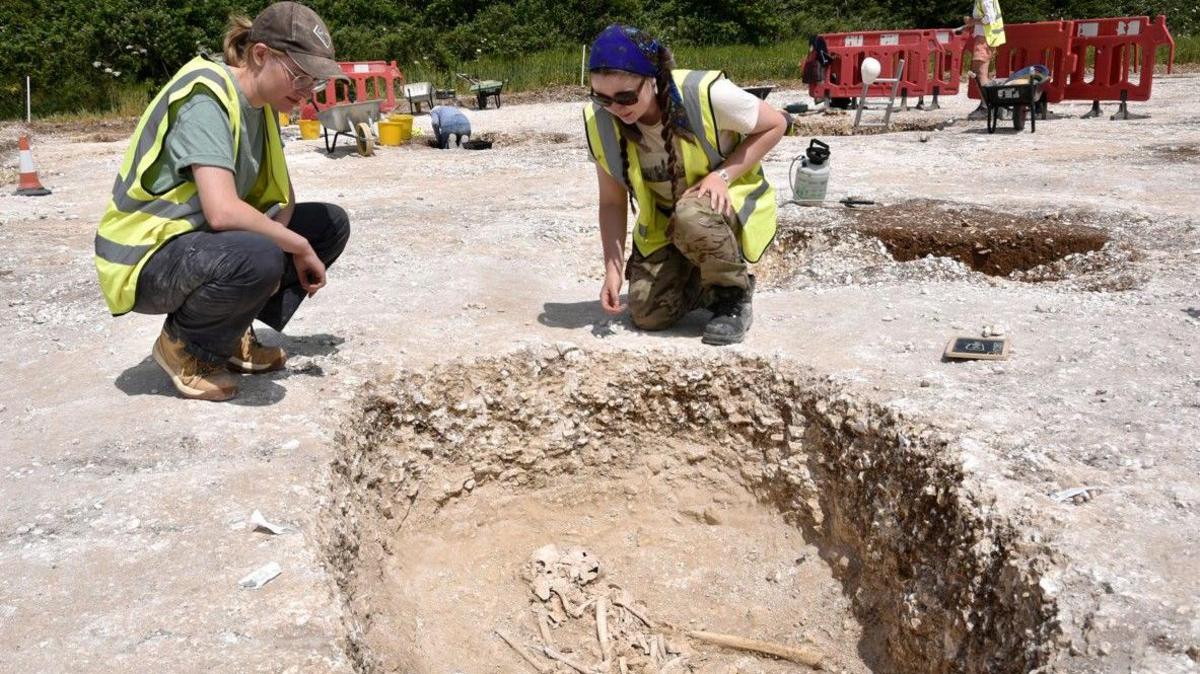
682	148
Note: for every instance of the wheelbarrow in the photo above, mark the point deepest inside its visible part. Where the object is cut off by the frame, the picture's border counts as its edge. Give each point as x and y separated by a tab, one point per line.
483	89
351	119
1021	93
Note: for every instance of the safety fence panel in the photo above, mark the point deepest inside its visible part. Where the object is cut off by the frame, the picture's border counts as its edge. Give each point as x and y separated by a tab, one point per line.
369	80
1046	43
843	77
946	71
1114	58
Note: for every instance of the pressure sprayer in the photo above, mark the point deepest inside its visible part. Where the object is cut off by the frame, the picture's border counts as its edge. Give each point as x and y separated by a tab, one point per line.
810	181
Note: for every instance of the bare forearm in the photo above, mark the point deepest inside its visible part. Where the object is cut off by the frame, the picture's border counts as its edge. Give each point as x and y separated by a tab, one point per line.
284	217
241	216
751	151
613	228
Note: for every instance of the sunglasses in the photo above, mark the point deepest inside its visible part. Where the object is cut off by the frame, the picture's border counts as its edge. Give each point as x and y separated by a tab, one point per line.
302	82
619	98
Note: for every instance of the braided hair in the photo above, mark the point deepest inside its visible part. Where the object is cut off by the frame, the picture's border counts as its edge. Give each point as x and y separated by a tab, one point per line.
631	132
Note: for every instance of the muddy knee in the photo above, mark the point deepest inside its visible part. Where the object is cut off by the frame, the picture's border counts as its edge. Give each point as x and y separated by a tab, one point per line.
694	218
653	317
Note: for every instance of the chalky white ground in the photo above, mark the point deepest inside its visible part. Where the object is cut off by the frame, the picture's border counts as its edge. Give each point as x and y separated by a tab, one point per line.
123	507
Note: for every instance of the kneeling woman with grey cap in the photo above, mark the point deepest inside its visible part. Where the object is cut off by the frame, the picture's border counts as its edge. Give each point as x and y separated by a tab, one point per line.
203	225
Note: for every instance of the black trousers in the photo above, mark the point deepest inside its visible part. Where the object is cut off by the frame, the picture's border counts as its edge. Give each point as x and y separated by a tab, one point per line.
212	285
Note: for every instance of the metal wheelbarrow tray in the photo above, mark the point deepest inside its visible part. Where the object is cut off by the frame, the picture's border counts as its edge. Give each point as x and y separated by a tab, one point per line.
351	119
482	89
1021	93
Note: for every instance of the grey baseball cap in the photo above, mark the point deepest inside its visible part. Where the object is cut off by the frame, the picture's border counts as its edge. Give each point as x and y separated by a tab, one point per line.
296	30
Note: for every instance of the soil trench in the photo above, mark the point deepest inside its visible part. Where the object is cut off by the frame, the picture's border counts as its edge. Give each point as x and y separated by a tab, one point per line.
923	240
726	494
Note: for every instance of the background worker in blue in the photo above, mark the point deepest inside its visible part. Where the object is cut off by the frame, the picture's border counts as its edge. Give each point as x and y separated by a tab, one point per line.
449	121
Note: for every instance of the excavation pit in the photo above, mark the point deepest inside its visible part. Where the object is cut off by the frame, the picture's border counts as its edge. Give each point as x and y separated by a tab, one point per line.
724	494
939	241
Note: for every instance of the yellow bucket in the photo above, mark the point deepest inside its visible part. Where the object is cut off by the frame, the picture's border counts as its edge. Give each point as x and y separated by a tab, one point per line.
310	129
405	123
284	119
389	133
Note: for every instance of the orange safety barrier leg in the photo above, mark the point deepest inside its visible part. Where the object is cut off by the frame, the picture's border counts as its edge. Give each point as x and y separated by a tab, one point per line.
1123	112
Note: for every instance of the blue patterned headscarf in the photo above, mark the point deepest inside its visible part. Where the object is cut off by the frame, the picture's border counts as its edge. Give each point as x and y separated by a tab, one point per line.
624	48
630	50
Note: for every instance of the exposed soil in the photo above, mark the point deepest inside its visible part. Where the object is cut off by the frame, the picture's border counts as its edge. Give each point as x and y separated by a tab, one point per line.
1037	514
725	494
1177	152
988	241
922	240
841	122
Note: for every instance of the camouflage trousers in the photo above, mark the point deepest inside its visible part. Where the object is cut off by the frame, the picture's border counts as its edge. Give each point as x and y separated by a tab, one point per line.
704	252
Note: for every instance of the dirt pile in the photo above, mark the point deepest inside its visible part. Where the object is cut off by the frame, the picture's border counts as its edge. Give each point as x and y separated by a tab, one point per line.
923	240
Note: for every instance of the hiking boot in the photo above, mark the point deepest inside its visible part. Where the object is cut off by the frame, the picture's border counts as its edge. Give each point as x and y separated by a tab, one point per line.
978	114
252	357
732	315
193	377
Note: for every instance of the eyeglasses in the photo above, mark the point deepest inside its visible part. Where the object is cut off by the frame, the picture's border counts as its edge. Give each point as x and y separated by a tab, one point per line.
302	82
619	98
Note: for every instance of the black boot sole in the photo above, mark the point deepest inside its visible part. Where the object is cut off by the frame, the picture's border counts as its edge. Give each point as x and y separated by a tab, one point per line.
723	340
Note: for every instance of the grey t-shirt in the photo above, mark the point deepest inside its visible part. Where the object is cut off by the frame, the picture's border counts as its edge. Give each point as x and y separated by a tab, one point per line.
202	135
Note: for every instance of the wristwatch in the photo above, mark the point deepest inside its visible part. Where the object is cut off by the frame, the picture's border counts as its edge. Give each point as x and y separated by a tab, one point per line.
724	175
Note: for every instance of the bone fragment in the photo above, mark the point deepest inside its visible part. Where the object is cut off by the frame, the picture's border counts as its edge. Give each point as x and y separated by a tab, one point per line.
602	625
804	656
522	652
621	662
673	663
553	654
544	629
625	602
641	643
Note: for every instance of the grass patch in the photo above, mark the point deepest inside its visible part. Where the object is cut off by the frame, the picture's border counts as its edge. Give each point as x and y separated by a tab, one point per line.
561	67
1187	50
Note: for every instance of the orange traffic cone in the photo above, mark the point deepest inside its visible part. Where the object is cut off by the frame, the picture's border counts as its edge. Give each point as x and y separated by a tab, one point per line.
29	185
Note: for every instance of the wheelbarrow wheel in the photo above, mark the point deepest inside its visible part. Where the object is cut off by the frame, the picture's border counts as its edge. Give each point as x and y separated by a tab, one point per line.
364	139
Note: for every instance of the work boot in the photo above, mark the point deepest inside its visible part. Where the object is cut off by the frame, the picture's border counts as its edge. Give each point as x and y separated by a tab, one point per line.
732	315
193	377
979	113
252	357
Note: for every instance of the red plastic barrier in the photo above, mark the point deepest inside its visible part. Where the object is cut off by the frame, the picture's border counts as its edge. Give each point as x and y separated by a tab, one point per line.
1116	46
1046	43
946	73
370	80
843	77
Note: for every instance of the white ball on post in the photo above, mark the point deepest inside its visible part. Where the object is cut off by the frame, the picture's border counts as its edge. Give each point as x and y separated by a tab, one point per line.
870	70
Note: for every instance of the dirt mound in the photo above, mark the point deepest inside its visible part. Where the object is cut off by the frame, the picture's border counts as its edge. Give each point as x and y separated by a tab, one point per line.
726	493
1183	152
992	242
924	240
841	123
536	137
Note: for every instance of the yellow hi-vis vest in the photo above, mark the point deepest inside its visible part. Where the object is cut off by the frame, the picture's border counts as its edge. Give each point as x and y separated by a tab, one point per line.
993	32
137	222
752	197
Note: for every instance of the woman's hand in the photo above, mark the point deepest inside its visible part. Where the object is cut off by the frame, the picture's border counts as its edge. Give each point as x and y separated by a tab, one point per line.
610	294
310	270
716	189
